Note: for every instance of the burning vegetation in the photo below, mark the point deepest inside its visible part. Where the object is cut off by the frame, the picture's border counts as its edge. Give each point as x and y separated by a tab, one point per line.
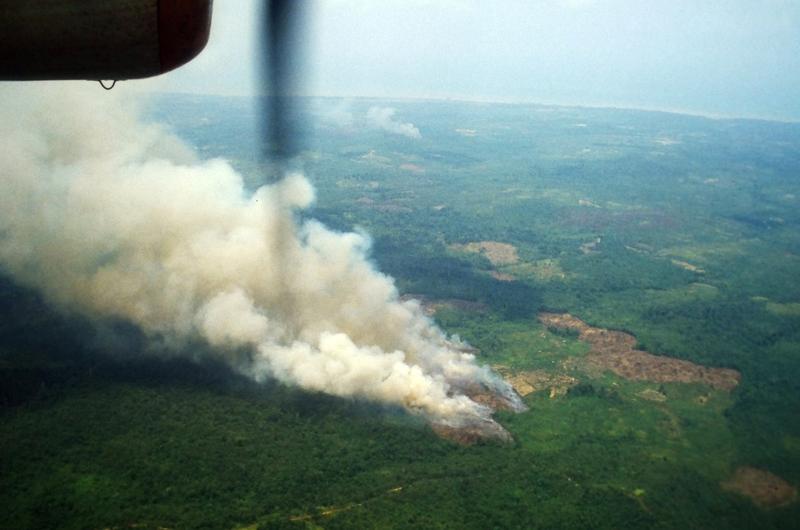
129	225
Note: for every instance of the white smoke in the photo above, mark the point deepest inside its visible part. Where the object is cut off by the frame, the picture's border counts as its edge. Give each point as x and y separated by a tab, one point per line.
383	118
112	217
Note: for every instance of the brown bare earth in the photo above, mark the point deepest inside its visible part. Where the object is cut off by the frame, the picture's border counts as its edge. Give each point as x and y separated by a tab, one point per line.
491	400
473	433
762	487
502	276
478	430
496	252
481	429
615	351
479	393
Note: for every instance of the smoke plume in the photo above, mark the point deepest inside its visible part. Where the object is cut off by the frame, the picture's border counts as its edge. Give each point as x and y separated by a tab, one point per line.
112	217
383	118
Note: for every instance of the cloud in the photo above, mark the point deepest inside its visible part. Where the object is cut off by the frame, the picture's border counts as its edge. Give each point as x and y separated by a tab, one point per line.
115	218
383	118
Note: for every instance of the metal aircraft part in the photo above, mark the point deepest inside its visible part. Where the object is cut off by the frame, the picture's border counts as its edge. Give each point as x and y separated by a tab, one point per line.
99	39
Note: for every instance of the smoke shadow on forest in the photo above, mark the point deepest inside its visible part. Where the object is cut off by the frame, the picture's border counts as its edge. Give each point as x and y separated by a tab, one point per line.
44	355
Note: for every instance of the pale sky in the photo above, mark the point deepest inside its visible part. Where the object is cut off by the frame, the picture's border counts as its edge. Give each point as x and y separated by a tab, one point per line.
717	57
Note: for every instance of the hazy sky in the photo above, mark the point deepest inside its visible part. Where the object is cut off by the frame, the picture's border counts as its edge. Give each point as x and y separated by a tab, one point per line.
727	57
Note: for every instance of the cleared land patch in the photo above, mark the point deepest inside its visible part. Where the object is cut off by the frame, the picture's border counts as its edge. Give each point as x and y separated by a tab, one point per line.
791	309
525	383
480	430
685	265
590	246
615	351
787	309
762	487
502	276
542	270
496	252
471	434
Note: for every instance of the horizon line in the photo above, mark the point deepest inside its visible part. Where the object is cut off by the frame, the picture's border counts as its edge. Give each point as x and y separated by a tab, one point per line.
508	101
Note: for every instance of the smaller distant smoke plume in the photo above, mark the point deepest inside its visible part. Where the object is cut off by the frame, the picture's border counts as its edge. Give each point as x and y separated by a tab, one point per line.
112	217
383	118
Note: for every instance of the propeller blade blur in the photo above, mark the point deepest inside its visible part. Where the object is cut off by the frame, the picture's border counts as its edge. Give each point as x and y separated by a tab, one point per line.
280	71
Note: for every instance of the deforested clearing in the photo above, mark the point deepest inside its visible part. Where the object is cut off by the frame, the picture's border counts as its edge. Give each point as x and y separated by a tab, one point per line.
615	351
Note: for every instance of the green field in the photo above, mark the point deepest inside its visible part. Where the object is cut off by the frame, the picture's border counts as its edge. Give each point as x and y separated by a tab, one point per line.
683	231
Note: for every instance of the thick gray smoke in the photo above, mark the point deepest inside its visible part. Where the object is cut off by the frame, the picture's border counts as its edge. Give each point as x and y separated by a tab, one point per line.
112	217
